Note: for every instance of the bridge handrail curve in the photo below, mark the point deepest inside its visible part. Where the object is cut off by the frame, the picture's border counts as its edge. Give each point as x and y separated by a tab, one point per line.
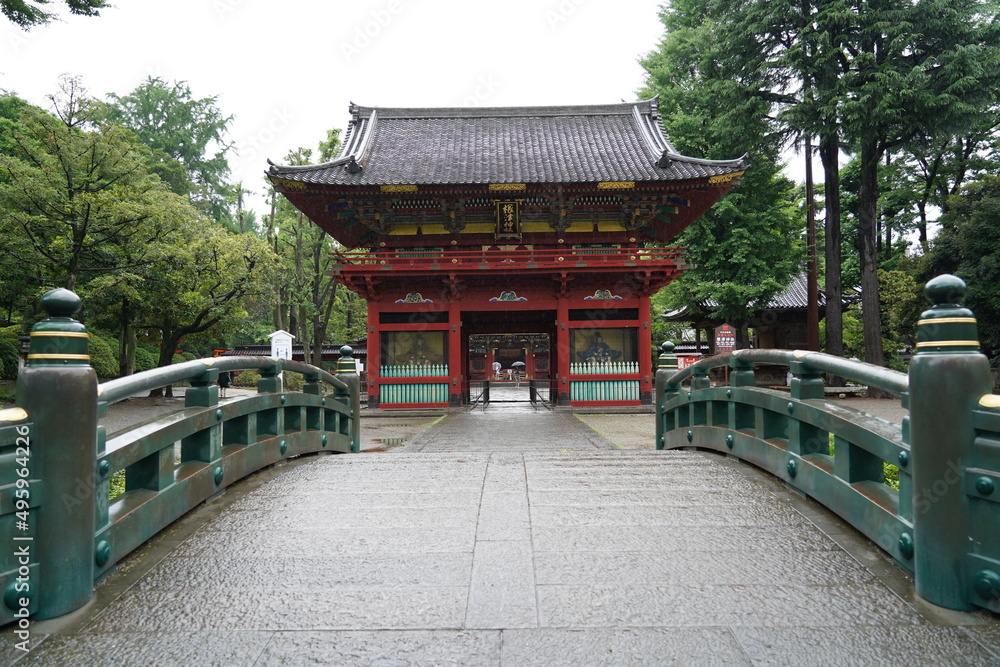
874	376
170	463
119	389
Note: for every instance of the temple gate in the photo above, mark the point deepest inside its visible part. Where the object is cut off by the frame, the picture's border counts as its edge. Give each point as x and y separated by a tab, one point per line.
543	230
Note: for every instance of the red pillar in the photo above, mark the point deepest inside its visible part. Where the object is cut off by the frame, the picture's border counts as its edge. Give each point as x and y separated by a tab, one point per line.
563	351
374	353
455	353
645	352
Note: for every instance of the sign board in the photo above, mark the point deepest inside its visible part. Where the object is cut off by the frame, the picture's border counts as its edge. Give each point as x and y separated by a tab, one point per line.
725	339
281	344
685	360
508	214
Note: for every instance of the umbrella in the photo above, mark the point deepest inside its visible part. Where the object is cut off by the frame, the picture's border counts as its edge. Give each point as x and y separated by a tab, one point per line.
516	364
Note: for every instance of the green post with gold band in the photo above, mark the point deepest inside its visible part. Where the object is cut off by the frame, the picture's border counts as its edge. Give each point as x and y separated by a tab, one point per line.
58	388
947	377
347	370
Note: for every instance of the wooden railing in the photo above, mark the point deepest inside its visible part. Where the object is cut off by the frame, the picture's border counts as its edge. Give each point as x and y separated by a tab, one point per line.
526	259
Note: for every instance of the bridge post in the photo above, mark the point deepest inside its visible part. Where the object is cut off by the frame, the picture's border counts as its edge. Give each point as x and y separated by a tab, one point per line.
741	372
58	389
666	365
347	371
806	381
947	378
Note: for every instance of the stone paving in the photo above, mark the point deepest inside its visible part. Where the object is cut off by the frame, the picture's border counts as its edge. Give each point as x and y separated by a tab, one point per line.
511	537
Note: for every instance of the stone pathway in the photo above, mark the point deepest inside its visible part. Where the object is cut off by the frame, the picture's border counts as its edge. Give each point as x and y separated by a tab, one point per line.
511	537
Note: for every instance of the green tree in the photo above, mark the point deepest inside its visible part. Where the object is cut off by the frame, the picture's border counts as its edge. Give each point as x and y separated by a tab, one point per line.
188	138
29	13
968	245
867	75
20	281
901	80
789	56
308	295
745	249
70	195
203	285
931	169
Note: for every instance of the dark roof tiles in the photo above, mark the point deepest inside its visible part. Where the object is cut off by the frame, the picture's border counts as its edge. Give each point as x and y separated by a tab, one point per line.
615	142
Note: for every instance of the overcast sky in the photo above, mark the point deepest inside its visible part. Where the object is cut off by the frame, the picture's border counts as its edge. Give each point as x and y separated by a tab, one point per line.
288	70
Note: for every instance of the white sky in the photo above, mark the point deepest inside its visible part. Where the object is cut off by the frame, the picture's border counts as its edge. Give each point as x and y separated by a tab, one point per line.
288	70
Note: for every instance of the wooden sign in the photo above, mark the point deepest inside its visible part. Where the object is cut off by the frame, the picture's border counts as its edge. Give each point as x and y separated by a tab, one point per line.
508	214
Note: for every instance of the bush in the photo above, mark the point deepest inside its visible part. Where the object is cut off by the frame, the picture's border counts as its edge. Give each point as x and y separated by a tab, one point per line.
246	379
177	359
10	350
103	358
145	360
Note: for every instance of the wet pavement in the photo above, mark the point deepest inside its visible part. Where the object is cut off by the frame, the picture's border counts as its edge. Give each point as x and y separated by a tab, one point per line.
510	536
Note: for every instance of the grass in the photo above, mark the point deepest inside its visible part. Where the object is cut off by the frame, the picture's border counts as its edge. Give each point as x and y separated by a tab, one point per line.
117	484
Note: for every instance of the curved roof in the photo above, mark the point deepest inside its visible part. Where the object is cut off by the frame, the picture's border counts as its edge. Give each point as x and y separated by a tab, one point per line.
794	296
558	144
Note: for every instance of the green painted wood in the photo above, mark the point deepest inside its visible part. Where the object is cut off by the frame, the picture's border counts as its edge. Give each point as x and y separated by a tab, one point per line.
58	388
82	535
20	498
941	523
139	515
948	376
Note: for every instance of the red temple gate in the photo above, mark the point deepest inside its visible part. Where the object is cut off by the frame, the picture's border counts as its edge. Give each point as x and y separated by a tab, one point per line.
549	225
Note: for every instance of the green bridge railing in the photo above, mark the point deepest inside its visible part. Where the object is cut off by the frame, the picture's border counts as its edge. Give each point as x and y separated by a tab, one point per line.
58	525
940	520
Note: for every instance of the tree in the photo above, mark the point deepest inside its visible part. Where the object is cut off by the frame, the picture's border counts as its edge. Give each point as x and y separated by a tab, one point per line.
931	169
308	292
788	54
204	283
29	13
867	75
71	195
745	249
187	136
968	245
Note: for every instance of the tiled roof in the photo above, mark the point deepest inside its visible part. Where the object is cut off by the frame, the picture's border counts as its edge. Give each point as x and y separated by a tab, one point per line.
796	295
567	144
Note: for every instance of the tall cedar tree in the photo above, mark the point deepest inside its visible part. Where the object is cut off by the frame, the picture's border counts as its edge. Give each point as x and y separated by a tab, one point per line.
743	251
968	245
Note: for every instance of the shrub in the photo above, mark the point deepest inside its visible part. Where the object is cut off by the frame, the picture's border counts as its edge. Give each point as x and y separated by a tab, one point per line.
145	360
10	349
246	379
103	358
